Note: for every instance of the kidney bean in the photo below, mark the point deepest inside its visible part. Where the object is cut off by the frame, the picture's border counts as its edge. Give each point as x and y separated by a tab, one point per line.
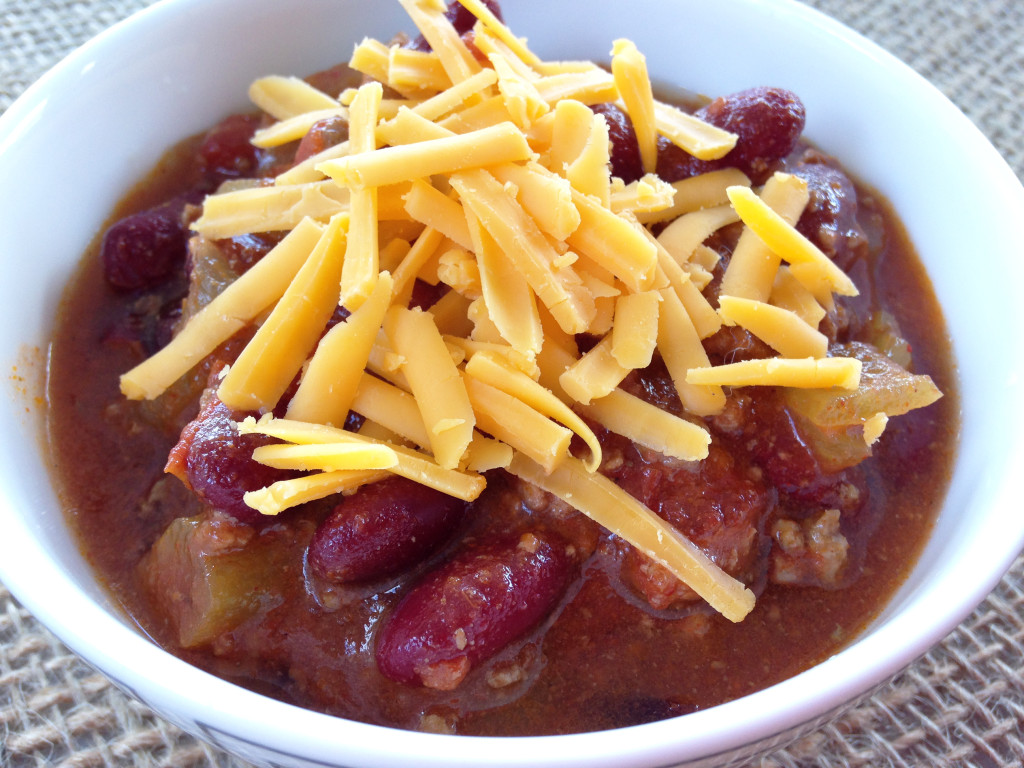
767	121
471	607
830	218
322	134
216	461
625	154
144	249
227	151
382	529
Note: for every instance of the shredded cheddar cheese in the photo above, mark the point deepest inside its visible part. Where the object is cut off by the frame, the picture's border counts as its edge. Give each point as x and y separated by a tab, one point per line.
803	373
482	170
287	97
629	68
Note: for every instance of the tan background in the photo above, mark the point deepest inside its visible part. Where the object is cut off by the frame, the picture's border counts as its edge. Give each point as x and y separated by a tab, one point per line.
961	705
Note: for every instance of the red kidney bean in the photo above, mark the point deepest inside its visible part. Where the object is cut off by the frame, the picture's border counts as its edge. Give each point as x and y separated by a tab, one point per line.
144	249
830	218
322	134
625	155
471	607
217	461
767	121
382	529
227	151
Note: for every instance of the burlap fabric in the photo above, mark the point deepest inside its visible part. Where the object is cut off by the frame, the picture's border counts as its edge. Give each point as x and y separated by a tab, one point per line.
961	705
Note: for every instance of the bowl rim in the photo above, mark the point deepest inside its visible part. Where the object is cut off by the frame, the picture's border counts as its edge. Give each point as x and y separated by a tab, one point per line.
871	655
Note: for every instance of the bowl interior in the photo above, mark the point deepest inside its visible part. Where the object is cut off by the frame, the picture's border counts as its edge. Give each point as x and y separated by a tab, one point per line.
78	139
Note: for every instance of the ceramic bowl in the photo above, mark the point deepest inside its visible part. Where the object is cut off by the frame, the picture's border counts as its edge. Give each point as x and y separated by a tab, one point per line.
76	141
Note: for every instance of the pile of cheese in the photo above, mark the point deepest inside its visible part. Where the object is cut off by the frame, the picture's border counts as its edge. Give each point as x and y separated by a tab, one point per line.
487	171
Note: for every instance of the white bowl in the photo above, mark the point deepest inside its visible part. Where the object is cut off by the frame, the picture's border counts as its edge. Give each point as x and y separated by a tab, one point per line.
74	143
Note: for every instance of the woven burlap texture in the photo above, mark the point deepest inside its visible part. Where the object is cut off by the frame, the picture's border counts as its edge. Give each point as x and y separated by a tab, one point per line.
960	705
